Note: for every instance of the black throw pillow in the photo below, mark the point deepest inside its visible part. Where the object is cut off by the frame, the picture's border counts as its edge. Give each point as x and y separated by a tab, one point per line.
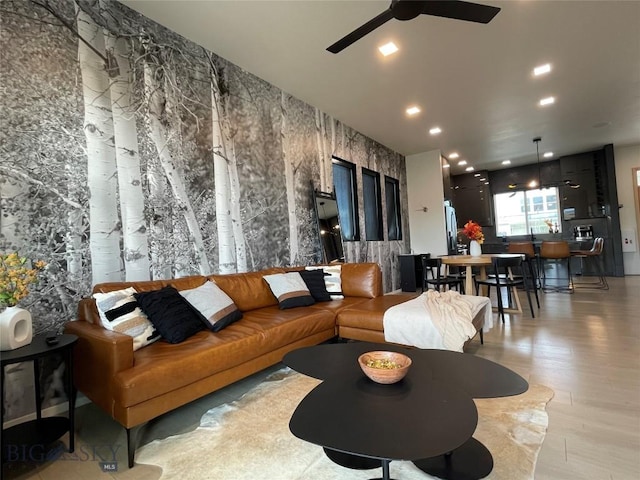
314	279
170	314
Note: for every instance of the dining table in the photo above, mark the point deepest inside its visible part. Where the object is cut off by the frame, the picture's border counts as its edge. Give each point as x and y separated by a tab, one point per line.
481	262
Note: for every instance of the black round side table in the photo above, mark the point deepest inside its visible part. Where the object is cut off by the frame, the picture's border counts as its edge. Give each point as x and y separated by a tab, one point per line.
18	441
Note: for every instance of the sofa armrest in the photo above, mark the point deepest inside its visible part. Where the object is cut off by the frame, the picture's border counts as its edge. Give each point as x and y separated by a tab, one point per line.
98	356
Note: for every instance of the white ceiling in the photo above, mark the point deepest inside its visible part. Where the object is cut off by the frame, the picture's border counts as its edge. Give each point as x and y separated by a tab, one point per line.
474	81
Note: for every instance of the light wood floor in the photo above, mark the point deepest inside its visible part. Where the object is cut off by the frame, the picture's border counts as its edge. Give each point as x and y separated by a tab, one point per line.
585	346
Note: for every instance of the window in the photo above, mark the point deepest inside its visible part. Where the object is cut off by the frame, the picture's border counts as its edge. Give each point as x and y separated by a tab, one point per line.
372	204
392	201
526	212
538	204
552	202
344	185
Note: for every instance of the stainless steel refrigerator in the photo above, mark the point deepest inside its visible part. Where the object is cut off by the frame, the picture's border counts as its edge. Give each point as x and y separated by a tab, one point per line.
451	223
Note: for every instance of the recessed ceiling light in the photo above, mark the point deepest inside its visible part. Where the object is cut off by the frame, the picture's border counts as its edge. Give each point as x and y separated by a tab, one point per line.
482	179
476	174
469	169
388	48
533	184
462	162
506	162
542	69
413	110
446	165
548	154
435	131
486	183
453	155
547	101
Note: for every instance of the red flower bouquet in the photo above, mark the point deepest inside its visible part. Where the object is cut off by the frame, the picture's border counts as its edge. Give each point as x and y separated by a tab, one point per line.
473	231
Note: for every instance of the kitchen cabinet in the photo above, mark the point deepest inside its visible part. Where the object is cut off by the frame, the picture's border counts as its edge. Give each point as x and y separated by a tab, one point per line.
584	170
472	198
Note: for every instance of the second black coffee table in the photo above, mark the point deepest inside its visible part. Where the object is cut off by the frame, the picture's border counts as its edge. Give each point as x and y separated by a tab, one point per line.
429	417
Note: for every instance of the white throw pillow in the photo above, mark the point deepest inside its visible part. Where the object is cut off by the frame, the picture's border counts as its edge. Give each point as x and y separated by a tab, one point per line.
289	289
214	305
119	312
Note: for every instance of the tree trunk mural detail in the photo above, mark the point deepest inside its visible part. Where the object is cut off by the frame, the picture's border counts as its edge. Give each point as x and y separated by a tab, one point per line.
134	229
105	227
160	136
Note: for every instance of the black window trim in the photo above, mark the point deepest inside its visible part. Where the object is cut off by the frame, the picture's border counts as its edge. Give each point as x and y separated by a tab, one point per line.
378	199
354	194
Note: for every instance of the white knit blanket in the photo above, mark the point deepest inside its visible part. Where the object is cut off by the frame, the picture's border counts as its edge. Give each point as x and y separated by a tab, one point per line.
436	320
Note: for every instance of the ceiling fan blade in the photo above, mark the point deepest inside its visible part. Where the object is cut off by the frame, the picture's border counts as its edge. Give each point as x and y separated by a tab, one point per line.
361	31
471	12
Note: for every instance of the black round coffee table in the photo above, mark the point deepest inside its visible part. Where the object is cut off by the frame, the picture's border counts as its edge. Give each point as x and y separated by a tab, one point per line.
428	417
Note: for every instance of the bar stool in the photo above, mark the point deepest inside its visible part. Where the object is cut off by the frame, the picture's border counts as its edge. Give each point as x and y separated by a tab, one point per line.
595	256
526	249
555	253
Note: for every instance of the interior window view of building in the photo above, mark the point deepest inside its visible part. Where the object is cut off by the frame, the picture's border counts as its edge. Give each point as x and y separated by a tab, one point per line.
320	239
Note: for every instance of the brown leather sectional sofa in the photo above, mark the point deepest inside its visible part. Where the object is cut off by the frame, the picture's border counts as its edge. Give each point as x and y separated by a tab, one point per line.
135	387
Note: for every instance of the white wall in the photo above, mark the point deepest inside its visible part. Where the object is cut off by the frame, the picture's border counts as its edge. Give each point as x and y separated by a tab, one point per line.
627	158
425	189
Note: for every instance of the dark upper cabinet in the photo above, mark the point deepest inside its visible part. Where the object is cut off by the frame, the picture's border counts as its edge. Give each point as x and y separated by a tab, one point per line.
585	194
472	198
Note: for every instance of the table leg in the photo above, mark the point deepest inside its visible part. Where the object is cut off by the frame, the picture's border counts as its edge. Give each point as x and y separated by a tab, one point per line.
1	416
385	469
470	461
72	400
36	383
482	276
468	285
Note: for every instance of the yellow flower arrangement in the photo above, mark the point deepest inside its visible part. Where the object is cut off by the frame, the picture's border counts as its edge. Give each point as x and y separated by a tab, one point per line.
15	277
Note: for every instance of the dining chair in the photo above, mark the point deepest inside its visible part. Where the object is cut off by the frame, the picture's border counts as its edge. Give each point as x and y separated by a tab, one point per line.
434	276
529	263
555	253
504	279
594	256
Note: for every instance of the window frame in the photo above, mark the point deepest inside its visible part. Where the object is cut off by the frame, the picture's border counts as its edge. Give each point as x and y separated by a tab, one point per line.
352	220
395	215
375	229
530	215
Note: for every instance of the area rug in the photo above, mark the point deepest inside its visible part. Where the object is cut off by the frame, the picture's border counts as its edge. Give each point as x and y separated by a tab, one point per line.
250	439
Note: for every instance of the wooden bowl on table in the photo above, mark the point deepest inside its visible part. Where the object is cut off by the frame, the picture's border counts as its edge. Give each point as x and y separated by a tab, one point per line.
383	366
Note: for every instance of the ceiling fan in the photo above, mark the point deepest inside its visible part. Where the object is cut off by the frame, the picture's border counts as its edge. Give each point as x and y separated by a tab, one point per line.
409	9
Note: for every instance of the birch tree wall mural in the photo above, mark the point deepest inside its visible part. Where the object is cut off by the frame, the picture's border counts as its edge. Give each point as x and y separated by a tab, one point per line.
130	153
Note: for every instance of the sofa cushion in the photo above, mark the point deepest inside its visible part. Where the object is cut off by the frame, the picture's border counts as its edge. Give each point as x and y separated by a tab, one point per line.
284	327
248	290
164	367
171	314
368	315
314	279
289	289
215	306
119	312
361	280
